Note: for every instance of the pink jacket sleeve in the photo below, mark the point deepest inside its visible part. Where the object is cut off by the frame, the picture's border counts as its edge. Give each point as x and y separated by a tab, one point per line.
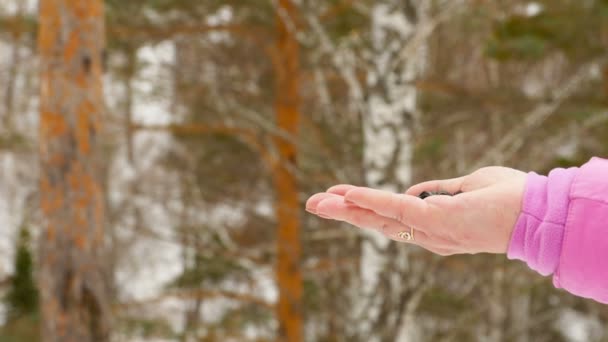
563	228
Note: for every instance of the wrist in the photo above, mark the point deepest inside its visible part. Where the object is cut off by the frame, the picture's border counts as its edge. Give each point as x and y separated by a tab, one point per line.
538	233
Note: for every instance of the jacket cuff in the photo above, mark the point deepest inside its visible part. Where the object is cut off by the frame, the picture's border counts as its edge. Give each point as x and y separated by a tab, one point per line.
582	269
538	234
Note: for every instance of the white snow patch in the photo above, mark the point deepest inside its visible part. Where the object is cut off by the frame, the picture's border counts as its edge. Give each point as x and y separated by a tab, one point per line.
152	104
222	16
533	9
10	7
265	208
158	262
534	89
578	327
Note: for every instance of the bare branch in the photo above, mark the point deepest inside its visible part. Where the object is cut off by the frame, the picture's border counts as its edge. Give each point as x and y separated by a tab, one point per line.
513	140
247	134
196	293
555	141
254	34
4	282
426	29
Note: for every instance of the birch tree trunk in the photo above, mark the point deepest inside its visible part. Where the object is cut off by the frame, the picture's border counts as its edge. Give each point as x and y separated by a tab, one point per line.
289	250
73	289
388	128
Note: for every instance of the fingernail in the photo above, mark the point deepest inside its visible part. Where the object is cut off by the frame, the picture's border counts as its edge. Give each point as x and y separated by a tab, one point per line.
311	210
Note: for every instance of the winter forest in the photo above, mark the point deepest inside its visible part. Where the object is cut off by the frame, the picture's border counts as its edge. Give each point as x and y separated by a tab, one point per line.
155	157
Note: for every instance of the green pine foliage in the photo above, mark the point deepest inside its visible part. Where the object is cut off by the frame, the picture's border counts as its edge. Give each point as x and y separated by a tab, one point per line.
21	299
565	26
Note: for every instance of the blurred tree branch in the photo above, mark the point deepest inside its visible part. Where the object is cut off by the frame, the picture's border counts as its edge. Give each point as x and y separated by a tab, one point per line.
513	140
5	282
248	135
336	9
152	32
544	159
187	294
18	25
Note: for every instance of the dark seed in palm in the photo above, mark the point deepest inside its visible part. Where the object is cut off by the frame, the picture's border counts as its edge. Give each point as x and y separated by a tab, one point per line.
435	193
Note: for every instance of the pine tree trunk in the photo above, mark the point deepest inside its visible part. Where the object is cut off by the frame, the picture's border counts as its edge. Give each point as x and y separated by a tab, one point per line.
289	276
74	300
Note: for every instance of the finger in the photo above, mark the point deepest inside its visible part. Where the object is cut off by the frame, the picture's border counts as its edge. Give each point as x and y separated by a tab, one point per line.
341	189
409	210
367	219
419	238
313	201
362	218
442	251
453	186
335	208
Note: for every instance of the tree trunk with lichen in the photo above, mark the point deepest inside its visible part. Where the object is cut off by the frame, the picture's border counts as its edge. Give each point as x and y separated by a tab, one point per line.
289	276
74	297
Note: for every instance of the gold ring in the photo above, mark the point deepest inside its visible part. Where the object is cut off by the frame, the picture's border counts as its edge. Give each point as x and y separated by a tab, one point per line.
407	236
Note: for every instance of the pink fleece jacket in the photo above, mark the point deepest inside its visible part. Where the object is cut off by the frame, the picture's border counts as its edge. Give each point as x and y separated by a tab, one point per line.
563	228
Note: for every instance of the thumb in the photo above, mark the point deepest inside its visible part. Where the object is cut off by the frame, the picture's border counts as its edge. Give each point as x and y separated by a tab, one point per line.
453	186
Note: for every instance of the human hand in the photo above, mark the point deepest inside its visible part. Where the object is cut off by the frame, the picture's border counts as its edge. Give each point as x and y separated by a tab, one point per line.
478	220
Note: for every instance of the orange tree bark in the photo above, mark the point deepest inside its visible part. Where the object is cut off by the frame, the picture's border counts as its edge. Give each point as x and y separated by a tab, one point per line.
73	291
289	277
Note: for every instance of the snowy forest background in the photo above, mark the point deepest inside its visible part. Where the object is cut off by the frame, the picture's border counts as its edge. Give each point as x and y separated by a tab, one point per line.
222	117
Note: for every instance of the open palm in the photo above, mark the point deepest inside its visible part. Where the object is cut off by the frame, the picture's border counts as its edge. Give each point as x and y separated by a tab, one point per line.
480	219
